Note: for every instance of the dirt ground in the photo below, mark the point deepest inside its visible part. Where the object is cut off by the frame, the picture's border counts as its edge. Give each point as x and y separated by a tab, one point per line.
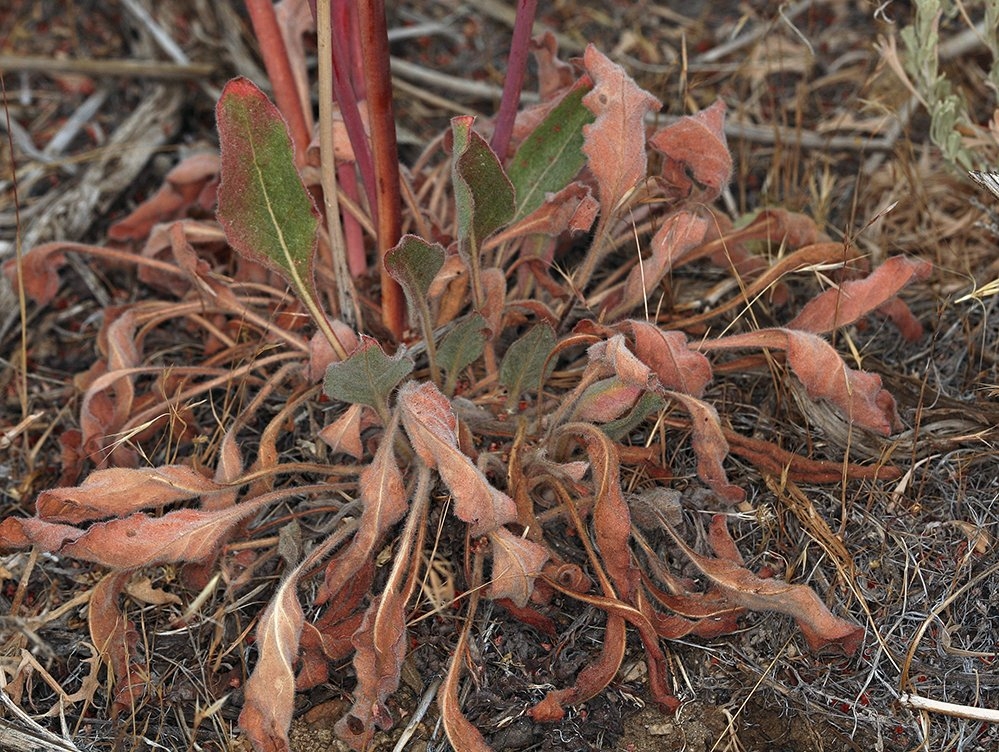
818	123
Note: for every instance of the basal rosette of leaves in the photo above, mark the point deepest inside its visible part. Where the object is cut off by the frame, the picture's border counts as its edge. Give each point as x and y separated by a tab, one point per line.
435	416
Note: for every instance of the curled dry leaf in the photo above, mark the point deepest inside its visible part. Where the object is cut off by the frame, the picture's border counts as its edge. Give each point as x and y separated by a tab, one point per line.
383	496
695	150
117	491
190	184
678	366
344	433
615	142
431	426
270	690
516	563
380	644
115	638
681	232
820	627
817	365
853	299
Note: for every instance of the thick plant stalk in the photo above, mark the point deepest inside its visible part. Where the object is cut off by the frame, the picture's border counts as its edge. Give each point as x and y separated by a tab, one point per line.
279	71
378	79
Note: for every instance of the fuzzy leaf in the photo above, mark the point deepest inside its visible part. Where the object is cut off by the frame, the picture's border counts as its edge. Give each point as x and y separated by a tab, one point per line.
615	142
740	586
482	191
677	366
431	425
414	263
516	563
606	400
383	495
115	638
368	376
523	365
270	691
695	151
116	492
551	156
267	214
463	344
679	234
853	299
817	365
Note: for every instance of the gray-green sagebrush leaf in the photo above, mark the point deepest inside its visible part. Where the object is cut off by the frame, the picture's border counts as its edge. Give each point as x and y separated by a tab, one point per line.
367	377
552	155
524	362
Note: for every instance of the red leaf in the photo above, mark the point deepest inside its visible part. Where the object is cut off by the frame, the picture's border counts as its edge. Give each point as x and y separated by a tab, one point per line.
857	394
270	690
695	148
516	563
853	299
431	424
115	638
344	433
183	188
819	626
679	234
40	267
383	496
678	367
116	492
615	142
710	446
380	642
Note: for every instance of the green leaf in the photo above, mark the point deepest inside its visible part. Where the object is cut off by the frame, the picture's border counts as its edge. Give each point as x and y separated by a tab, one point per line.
523	363
414	263
462	345
482	191
552	155
367	377
647	404
266	213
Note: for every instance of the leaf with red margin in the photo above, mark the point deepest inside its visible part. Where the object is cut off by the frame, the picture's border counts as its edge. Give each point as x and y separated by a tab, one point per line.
820	369
268	215
615	142
819	626
115	638
606	400
516	564
270	691
681	232
695	147
678	366
431	425
118	491
853	299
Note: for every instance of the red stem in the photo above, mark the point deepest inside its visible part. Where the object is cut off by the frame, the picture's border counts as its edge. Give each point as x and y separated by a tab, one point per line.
515	69
378	80
279	71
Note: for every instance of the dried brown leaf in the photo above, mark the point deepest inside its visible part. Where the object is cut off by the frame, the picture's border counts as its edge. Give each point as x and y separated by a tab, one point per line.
818	366
383	496
270	690
344	433
516	564
118	491
681	232
115	638
740	586
695	150
615	142
431	426
678	366
853	299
